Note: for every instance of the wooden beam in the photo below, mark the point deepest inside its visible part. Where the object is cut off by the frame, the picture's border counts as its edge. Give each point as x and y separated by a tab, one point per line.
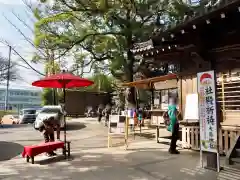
146	82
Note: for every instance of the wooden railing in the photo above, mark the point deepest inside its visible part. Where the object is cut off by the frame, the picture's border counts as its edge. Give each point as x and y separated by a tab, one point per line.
191	137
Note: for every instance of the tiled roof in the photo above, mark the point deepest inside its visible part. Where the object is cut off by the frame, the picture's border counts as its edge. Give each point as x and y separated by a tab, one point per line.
143	46
197	14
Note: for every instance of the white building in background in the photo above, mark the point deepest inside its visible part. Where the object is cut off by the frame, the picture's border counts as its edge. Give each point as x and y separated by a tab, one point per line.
20	96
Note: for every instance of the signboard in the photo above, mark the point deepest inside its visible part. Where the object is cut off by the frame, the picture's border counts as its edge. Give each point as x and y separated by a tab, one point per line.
117	127
191	108
157	120
168	84
207	111
116	124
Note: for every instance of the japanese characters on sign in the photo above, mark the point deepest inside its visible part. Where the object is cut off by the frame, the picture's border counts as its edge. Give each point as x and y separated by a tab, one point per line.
116	124
207	111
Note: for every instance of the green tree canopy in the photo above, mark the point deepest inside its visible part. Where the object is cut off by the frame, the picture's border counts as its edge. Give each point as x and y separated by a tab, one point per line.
47	96
105	29
102	82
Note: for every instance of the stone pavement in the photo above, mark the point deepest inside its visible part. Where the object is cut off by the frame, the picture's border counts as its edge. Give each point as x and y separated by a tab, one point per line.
92	160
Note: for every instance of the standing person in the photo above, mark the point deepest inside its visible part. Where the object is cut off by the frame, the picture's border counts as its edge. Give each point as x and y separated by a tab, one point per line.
107	113
100	112
47	129
140	116
173	126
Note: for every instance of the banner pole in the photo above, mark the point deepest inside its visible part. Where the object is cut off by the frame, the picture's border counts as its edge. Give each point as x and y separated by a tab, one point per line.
109	133
201	158
126	133
218	162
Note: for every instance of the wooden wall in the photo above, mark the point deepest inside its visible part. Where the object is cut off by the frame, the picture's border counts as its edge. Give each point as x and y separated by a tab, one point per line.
186	85
77	101
228	115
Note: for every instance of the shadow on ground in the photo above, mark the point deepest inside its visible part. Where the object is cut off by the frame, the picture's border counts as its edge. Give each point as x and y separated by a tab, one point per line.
56	159
8	150
5	126
74	126
93	165
146	135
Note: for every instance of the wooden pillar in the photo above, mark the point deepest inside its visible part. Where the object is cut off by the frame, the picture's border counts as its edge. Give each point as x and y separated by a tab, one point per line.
180	94
223	98
152	96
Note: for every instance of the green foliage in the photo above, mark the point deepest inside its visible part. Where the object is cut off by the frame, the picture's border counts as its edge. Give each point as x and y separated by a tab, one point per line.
2	113
106	30
52	67
177	10
60	97
102	83
47	96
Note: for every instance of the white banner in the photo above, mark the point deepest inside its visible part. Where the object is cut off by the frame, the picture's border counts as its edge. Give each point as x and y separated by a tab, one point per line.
191	108
207	111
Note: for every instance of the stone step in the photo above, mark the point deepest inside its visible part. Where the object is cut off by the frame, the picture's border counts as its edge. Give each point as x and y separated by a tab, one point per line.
237	152
236	160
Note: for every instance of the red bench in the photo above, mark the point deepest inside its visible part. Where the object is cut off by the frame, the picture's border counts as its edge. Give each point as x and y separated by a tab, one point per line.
31	151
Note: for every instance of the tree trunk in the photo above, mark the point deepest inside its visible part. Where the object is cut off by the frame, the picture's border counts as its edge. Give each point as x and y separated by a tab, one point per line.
131	95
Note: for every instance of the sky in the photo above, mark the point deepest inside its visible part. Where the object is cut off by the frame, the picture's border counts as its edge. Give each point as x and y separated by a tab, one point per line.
11	35
18	42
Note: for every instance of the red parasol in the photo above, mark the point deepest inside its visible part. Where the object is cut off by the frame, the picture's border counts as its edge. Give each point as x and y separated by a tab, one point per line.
63	80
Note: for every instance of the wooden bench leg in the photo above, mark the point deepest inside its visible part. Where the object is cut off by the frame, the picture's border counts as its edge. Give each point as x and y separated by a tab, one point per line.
64	150
157	134
28	158
32	160
68	149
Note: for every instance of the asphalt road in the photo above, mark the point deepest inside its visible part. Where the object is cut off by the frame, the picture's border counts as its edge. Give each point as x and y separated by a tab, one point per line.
92	160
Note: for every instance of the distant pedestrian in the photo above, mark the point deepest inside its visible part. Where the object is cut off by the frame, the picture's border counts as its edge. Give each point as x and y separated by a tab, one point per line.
173	125
107	112
100	112
140	116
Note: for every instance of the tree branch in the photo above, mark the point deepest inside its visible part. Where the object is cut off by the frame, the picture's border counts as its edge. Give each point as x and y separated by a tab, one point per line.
23	22
83	9
25	37
24	60
102	57
80	40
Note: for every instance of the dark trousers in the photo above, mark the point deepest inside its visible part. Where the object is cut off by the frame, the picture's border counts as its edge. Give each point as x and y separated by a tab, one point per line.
107	119
99	117
48	137
174	138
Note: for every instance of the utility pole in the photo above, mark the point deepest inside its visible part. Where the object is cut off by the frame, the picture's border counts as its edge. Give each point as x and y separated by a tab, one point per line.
8	78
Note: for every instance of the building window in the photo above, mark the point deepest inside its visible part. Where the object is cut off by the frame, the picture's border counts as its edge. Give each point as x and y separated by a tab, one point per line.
161	97
228	92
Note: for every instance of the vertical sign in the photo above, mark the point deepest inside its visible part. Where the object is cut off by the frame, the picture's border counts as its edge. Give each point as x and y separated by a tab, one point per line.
207	112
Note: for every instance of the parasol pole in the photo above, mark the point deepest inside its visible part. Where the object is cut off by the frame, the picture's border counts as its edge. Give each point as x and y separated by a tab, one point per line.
64	118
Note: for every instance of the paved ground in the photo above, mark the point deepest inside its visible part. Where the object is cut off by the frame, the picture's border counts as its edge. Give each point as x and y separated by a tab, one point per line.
92	160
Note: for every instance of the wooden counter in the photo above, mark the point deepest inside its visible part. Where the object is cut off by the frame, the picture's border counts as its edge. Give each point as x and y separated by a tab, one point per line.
156	116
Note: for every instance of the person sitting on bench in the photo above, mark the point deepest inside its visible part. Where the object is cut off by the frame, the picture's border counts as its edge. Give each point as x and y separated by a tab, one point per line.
47	128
